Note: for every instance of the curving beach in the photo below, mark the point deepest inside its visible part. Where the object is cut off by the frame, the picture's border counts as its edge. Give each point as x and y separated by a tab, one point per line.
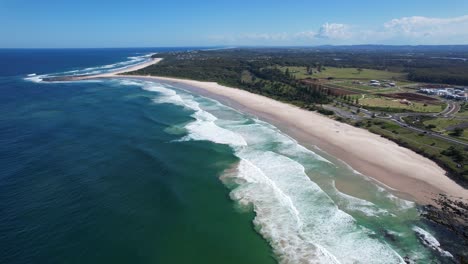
406	172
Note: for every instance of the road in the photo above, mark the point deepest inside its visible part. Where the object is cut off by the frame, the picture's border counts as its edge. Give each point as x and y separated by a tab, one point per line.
429	133
451	109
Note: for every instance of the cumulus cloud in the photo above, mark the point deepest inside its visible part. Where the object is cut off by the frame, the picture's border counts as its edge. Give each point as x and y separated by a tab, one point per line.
404	30
334	31
419	26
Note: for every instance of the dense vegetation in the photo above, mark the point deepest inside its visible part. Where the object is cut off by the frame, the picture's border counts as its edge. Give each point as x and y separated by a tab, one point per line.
249	70
434	64
450	75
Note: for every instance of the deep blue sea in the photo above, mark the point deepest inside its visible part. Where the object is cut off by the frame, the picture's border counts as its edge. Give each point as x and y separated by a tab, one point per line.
132	171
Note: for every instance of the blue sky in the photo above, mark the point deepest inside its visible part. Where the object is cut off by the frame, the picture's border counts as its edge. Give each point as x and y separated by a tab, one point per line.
139	23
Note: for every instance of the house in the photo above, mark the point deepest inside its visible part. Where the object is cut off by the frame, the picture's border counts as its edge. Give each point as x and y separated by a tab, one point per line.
404	101
374	83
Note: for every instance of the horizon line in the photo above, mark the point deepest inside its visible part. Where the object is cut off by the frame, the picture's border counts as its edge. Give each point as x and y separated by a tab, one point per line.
247	46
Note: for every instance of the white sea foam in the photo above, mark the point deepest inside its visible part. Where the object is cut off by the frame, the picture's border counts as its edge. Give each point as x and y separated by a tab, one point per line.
132	61
402	203
165	95
204	127
430	241
34	78
357	204
300	221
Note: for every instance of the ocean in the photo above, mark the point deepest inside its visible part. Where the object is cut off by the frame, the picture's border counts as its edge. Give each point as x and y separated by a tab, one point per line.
133	171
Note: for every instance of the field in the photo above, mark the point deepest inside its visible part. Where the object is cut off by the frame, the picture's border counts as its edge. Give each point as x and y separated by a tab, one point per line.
335	89
445	125
350	80
361	88
440	125
412	97
344	73
377	101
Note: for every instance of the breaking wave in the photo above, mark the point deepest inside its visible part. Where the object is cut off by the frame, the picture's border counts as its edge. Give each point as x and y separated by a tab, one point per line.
300	221
430	241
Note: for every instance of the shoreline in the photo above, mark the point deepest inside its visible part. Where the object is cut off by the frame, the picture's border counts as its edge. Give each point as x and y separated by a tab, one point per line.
104	75
405	172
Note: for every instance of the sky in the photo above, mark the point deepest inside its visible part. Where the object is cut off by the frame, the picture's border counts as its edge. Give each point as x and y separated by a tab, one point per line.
155	23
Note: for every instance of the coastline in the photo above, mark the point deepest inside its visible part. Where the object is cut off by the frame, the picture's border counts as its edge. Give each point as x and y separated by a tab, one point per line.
405	172
412	175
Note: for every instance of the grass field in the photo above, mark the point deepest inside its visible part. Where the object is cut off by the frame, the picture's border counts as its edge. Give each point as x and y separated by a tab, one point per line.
363	88
462	114
373	101
344	73
441	125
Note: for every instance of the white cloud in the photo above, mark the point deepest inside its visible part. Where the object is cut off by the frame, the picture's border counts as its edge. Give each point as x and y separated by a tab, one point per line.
405	30
419	26
334	31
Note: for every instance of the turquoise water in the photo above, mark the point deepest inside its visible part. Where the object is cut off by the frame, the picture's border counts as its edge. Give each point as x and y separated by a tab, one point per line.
130	171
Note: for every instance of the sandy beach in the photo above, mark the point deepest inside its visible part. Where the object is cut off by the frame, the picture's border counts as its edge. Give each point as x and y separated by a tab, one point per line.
124	70
412	175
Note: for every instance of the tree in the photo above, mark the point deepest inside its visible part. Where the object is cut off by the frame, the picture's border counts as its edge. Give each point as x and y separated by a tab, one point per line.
359	70
457	132
453	152
319	67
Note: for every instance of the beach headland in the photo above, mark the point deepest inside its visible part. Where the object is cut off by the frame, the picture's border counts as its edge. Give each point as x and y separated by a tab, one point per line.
407	173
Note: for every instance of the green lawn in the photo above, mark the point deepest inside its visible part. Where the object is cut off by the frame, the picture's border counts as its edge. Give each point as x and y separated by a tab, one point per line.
462	114
373	101
344	73
442	124
363	88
